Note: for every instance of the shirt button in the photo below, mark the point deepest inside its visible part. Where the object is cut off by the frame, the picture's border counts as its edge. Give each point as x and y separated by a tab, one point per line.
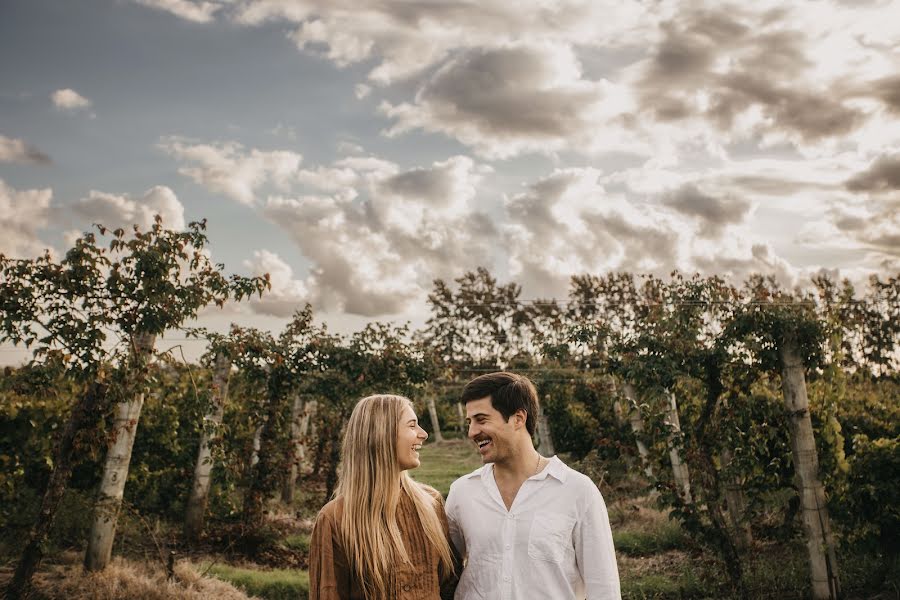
406	587
510	516
508	546
506	578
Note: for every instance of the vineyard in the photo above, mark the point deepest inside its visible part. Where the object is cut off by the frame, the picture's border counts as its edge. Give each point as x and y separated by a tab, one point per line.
745	436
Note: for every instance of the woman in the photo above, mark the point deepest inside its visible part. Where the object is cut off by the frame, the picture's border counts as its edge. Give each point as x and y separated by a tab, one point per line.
384	536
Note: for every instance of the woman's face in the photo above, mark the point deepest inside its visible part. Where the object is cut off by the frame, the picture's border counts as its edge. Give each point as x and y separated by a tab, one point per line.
409	439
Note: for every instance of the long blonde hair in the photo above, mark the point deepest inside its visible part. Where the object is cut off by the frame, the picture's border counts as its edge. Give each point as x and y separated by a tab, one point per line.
367	482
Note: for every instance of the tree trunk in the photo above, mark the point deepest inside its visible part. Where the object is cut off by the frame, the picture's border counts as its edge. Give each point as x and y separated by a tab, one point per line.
299	428
637	426
736	507
432	412
84	415
679	468
115	469
461	413
816	524
545	439
196	508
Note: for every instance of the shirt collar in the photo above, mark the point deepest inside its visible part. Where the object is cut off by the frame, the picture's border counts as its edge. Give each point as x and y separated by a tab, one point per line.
555	469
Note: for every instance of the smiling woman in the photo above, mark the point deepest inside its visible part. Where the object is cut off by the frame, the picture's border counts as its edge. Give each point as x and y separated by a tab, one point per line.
384	535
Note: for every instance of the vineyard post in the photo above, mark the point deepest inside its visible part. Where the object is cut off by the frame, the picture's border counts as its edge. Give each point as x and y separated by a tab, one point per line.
637	426
432	412
679	468
196	506
736	505
298	416
115	467
816	524
308	432
545	439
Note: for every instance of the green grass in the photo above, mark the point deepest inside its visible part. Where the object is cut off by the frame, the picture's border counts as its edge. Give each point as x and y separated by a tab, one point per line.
660	587
664	536
443	463
275	584
297	541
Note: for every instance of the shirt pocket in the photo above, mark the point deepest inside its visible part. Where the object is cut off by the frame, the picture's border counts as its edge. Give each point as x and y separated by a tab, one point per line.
550	537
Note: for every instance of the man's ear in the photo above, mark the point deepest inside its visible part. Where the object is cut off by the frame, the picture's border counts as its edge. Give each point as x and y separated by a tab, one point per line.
520	418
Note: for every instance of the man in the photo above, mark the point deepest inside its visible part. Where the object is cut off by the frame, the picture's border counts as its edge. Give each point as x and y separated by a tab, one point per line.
530	527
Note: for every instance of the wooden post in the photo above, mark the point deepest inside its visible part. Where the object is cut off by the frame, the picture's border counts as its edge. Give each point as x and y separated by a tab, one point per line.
196	507
637	426
545	439
736	506
298	416
432	412
816	524
115	469
679	468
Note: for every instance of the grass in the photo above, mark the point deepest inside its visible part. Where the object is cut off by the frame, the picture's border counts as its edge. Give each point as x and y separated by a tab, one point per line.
274	584
124	579
664	537
444	462
297	541
662	587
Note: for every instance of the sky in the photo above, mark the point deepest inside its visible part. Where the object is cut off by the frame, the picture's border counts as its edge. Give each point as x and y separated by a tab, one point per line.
358	150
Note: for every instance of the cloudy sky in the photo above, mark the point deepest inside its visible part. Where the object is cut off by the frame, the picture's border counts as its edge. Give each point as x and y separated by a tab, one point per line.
356	150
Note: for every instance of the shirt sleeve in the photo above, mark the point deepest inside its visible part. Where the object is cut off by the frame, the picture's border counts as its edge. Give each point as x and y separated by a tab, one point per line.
594	552
329	572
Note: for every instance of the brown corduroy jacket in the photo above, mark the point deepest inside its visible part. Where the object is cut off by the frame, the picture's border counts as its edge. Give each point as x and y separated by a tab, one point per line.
330	575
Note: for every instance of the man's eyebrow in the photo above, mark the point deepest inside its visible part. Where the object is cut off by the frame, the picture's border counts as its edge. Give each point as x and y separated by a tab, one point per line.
476	415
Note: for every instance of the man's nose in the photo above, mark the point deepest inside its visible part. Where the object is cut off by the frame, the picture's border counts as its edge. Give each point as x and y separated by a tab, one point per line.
473	430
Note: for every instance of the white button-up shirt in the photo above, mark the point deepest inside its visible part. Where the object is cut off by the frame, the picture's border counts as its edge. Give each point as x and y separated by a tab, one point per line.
554	543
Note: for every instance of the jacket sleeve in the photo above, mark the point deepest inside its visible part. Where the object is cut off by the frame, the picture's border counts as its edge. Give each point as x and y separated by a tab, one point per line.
329	571
449	579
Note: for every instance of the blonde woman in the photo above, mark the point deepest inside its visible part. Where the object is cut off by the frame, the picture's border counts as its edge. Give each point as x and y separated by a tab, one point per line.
384	536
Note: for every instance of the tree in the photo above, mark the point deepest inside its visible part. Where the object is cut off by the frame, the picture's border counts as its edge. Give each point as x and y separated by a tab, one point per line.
137	288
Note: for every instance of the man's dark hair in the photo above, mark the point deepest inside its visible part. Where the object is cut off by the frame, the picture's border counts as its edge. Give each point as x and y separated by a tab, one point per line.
508	392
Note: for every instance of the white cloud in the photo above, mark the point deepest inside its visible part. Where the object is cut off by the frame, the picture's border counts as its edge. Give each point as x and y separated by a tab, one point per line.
567	223
373	254
113	211
190	10
17	151
520	97
286	295
407	38
229	169
70	100
23	213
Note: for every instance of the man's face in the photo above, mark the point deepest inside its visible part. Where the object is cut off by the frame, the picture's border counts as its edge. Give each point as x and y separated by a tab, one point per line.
493	435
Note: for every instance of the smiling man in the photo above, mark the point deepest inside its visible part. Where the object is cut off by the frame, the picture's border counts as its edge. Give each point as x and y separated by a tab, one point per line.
529	526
